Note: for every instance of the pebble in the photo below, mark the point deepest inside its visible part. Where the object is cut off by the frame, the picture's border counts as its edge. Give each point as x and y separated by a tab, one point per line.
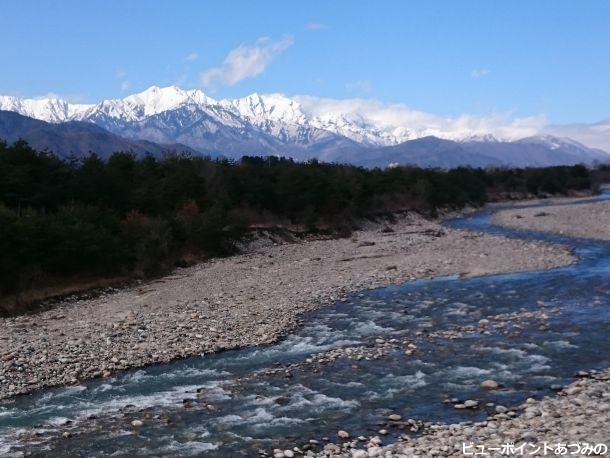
489	384
238	301
360	454
570	418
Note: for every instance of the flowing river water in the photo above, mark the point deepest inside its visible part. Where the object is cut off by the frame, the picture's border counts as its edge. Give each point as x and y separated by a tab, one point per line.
402	349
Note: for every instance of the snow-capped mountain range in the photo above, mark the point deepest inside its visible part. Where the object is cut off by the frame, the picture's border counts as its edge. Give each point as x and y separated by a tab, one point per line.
286	119
300	127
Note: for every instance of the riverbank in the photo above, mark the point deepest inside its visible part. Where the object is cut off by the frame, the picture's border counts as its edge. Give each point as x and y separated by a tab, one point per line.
250	299
579	414
590	220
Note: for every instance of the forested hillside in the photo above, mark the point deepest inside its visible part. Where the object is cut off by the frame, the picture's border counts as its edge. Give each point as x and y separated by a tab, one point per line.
128	216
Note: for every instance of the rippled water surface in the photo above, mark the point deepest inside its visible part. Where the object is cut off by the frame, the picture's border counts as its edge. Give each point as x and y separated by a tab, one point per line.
542	327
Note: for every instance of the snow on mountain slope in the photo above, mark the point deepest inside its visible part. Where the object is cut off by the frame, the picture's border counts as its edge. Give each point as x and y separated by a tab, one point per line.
274	114
291	120
260	108
301	126
44	109
152	101
480	138
361	130
76	138
596	135
566	146
552	142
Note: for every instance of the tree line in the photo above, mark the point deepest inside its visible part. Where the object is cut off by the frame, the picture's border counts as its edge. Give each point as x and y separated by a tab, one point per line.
141	216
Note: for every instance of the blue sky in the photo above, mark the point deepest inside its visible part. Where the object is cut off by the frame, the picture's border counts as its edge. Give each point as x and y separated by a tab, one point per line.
523	58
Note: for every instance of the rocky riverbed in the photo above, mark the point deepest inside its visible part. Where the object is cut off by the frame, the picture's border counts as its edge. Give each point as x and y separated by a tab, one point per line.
575	422
578	415
250	299
590	220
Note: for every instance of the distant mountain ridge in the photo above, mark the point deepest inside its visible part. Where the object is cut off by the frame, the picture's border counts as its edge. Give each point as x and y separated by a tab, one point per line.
440	153
281	117
75	138
273	124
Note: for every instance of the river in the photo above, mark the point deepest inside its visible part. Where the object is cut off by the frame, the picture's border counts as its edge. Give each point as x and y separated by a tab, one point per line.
413	347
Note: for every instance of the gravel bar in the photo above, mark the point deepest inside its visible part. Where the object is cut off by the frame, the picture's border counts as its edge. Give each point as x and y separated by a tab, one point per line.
249	299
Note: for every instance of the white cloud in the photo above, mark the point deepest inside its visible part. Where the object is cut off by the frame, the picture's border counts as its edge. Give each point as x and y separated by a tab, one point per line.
314	26
479	72
245	61
191	57
404	122
121	75
181	79
596	135
71	98
359	86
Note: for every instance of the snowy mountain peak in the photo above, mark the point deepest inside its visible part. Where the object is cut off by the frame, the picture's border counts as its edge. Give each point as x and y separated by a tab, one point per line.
163	114
294	120
49	109
155	100
275	107
480	138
